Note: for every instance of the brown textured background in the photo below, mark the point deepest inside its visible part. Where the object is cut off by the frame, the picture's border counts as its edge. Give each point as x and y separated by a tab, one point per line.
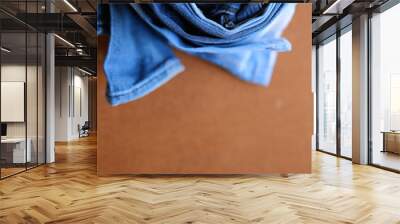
205	121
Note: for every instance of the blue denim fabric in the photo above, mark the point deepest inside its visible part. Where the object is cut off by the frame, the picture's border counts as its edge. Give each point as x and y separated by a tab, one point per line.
242	38
235	12
138	59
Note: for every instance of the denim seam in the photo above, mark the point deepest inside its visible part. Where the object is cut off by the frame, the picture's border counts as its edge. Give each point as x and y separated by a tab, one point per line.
161	75
223	31
181	32
194	8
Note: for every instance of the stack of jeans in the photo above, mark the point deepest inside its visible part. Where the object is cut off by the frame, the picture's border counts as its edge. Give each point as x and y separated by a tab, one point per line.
241	38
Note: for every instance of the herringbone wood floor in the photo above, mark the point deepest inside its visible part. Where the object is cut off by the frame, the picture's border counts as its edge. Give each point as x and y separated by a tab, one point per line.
70	192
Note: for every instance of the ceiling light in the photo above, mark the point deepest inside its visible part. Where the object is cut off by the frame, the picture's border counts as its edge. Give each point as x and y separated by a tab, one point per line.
84	71
70	5
80	51
337	7
65	41
5	50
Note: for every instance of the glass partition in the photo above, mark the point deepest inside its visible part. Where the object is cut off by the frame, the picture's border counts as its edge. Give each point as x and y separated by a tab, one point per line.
346	94
14	153
385	89
41	96
31	100
327	96
22	77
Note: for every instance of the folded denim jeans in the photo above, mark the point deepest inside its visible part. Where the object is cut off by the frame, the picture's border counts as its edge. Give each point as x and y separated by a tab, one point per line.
243	39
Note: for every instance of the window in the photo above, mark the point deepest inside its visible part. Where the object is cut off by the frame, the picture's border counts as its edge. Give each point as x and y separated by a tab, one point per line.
346	94
385	89
327	97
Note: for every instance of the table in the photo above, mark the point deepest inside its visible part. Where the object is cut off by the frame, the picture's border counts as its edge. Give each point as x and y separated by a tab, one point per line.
13	150
391	141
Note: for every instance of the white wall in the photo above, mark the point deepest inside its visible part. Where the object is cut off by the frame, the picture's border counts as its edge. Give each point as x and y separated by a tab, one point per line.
33	127
71	93
12	73
61	103
80	103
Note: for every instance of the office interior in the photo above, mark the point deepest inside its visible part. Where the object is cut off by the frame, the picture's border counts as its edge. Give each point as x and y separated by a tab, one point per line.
49	87
45	87
334	73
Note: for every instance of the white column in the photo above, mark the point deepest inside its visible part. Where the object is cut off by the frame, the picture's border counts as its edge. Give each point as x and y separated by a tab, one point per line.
50	100
360	90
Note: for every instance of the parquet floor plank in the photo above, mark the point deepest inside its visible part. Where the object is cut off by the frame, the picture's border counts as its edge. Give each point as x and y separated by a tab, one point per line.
69	191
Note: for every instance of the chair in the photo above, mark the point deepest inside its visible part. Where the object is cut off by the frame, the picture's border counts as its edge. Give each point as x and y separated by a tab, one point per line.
84	130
